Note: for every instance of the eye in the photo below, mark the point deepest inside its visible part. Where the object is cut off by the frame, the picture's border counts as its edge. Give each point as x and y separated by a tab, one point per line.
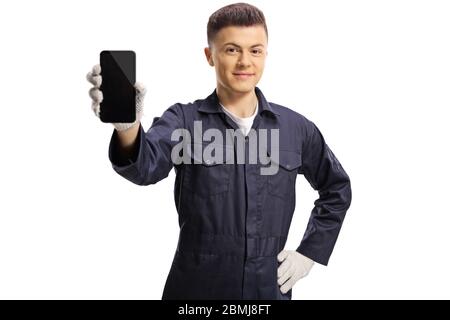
231	50
257	51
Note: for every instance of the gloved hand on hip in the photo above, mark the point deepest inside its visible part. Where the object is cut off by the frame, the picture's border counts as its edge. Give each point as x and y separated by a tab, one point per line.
95	78
294	266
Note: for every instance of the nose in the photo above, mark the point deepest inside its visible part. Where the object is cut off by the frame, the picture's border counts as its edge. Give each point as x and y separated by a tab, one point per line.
244	60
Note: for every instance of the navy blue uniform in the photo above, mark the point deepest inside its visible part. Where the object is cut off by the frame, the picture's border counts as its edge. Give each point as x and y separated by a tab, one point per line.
233	220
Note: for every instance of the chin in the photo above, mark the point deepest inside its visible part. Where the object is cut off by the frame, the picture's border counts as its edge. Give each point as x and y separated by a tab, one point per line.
243	88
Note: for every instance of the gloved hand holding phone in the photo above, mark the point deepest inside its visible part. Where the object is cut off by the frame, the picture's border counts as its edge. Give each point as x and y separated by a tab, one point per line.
95	78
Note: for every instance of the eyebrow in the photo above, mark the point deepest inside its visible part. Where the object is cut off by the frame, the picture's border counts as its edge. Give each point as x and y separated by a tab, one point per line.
236	45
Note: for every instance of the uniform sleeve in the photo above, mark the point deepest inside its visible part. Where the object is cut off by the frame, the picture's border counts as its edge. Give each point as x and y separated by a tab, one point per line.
325	174
151	161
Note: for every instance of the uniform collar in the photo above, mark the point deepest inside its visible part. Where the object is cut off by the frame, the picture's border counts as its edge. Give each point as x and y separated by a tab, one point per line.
211	103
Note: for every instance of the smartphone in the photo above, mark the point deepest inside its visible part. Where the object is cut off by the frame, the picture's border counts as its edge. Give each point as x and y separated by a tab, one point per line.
118	71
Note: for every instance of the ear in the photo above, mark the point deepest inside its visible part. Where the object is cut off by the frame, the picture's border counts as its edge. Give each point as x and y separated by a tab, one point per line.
208	55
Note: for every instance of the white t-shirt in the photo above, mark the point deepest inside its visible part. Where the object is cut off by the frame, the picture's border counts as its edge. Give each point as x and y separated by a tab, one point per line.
244	124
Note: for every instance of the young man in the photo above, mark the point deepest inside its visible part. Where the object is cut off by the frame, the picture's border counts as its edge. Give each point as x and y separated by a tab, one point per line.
234	220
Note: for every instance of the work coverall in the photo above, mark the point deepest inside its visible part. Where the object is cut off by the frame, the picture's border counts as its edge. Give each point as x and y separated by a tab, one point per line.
234	220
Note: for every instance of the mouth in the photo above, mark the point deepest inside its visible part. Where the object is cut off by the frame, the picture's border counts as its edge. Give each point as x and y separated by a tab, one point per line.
243	75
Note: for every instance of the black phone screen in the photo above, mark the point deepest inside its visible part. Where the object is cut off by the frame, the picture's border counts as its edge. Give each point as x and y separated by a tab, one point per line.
118	71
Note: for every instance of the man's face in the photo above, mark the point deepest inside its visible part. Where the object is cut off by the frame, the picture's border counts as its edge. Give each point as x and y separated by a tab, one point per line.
238	55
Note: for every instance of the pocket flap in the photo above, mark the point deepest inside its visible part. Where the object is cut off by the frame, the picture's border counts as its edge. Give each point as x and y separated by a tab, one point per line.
288	160
199	157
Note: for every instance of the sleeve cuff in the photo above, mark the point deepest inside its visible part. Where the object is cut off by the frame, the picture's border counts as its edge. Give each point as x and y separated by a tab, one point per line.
116	158
316	254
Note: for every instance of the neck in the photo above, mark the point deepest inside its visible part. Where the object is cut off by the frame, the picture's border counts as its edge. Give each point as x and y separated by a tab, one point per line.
241	104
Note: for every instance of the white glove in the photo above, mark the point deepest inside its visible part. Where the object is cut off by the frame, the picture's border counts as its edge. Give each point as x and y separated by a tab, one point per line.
95	78
294	266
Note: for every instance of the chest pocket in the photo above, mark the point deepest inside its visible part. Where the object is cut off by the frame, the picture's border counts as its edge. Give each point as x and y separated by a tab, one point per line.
282	184
205	176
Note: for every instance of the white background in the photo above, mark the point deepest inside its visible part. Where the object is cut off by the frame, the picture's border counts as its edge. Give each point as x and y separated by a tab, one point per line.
373	75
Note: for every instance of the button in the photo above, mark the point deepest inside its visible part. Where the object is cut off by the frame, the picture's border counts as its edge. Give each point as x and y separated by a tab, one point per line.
210	162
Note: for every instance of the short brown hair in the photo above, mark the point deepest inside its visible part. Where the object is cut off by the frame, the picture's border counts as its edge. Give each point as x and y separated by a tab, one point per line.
236	14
